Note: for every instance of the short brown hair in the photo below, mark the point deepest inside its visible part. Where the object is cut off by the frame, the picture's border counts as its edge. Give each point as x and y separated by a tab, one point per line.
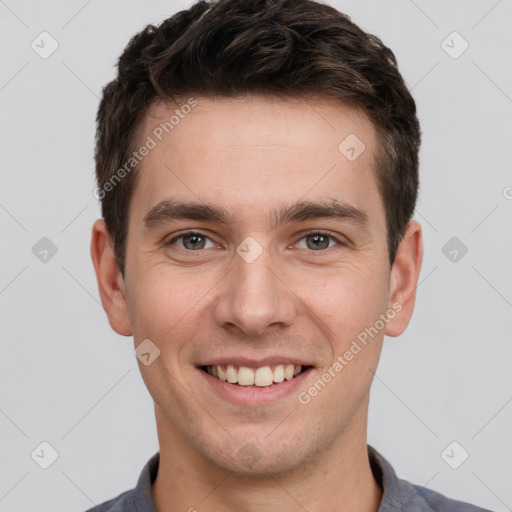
271	47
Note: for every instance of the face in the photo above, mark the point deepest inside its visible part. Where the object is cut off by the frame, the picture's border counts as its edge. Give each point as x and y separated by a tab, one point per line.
254	241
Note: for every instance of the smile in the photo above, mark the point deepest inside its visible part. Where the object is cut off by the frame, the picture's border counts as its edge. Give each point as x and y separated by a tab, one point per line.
263	376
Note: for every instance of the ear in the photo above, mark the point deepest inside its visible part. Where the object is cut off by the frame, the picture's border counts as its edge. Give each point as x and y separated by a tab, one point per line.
404	279
110	281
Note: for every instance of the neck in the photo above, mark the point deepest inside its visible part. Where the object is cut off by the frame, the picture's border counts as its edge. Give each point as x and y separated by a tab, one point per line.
338	479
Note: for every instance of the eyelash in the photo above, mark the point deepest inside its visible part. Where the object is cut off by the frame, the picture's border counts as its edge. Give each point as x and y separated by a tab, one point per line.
314	232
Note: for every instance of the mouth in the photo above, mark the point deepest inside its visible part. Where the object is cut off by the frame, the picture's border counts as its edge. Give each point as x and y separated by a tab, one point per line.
264	376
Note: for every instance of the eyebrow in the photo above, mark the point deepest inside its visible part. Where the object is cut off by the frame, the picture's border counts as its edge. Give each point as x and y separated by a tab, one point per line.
169	210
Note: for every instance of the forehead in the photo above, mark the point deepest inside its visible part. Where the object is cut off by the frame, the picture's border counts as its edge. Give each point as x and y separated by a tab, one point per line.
257	151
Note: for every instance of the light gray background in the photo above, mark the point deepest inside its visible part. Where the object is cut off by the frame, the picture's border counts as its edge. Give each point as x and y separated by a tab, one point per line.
68	379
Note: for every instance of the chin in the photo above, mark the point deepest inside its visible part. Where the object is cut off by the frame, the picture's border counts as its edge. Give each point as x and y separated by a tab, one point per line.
259	457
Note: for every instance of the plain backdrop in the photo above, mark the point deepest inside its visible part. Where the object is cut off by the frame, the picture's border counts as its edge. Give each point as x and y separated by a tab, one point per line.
68	380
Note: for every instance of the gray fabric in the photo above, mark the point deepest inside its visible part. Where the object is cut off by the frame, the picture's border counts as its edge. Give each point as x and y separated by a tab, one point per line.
399	495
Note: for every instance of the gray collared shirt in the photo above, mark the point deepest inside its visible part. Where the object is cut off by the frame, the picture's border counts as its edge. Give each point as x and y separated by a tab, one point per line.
398	494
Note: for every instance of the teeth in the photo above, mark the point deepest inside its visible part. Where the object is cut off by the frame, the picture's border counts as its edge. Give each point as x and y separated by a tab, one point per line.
221	372
261	377
231	374
279	373
245	376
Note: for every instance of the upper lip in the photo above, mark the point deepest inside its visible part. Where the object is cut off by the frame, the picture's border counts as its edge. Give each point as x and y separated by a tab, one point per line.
254	363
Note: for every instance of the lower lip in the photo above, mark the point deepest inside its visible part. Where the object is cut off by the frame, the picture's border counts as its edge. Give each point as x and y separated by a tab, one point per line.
253	395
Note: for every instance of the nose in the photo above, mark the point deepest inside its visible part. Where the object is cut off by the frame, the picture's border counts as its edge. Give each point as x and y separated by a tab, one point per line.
254	297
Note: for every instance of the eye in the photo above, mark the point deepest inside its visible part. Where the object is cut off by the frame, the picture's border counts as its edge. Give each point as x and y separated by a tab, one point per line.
191	240
319	240
194	241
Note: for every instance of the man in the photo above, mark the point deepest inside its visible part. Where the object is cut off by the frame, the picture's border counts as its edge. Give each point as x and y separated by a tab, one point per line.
257	165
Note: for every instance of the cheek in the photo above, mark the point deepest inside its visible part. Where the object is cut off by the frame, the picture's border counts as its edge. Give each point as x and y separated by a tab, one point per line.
350	302
164	303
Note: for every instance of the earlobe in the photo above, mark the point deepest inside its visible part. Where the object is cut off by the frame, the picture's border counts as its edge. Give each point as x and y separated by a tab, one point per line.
110	282
404	278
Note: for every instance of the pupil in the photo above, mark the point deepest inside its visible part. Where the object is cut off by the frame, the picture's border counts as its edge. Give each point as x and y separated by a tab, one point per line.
194	239
321	239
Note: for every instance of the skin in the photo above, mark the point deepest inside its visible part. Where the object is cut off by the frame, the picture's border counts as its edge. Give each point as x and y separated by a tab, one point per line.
248	156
